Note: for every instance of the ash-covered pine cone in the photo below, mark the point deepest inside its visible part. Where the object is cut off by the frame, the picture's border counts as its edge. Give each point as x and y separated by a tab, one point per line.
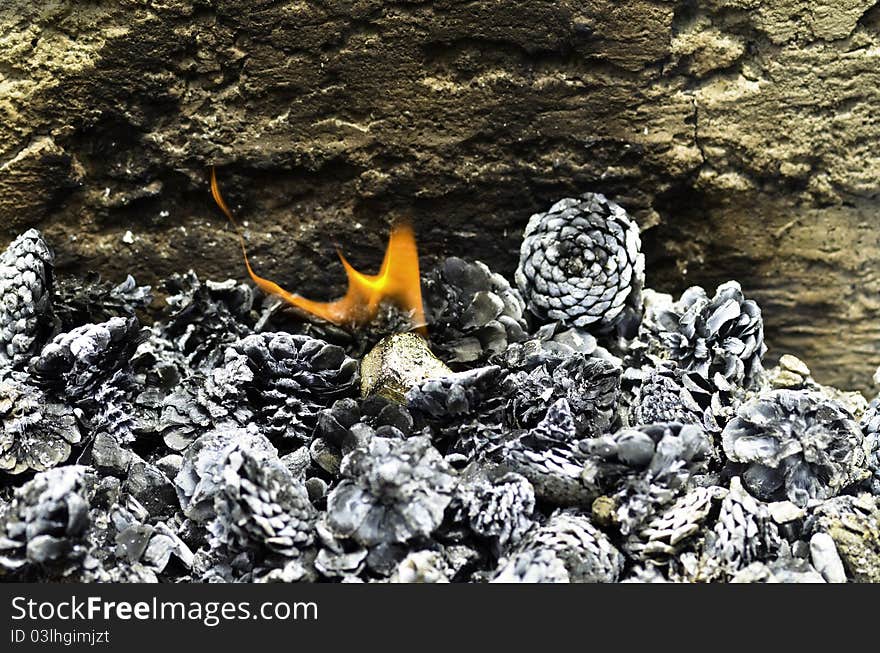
590	385
75	363
668	532
26	268
671	395
47	520
392	491
293	379
722	335
744	533
90	300
454	395
206	316
36	433
498	509
580	263
549	458
587	553
796	444
534	566
646	467
472	312
870	424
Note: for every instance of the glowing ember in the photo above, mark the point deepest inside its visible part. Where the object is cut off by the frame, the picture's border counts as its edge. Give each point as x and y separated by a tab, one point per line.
397	282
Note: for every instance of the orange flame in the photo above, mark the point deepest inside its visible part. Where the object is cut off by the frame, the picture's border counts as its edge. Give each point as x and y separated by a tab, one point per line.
398	280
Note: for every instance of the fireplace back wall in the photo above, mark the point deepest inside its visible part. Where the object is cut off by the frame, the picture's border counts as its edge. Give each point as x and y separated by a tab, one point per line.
741	134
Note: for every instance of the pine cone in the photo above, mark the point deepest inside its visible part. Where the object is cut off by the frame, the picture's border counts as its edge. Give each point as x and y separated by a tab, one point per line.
392	491
37	433
25	297
455	395
797	444
498	509
206	317
744	533
472	313
590	385
293	379
586	552
549	458
533	566
580	263
90	300
653	464
672	395
261	505
870	424
75	363
723	335
47	519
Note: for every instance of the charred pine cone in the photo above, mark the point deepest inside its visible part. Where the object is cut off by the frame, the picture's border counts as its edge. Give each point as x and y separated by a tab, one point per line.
580	263
91	300
646	467
76	363
233	481
672	395
472	312
497	509
37	433
292	379
26	268
533	566
47	521
722	335
590	385
795	444
392	491
870	424
587	553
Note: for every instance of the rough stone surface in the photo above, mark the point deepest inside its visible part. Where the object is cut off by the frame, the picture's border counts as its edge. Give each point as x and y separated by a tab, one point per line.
740	131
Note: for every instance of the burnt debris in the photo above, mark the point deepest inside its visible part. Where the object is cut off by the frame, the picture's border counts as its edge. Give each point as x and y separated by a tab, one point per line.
573	427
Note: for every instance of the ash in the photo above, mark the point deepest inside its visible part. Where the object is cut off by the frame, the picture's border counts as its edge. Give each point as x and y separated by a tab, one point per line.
584	428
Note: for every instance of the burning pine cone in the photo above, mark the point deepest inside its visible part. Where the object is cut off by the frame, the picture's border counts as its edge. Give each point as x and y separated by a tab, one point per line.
472	312
723	335
796	444
25	297
580	263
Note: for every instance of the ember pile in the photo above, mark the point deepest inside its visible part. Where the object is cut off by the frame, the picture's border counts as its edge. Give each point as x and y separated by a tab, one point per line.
576	428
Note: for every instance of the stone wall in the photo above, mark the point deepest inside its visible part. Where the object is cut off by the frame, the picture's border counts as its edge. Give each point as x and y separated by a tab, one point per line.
742	134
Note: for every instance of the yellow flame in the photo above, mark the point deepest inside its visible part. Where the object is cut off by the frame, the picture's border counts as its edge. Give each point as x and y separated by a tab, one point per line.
397	282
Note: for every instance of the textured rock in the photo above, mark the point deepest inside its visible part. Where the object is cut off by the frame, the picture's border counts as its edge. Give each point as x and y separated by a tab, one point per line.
742	130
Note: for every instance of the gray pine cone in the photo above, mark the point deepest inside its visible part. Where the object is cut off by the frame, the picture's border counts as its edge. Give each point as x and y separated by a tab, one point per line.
48	519
723	335
533	566
25	297
653	464
392	491
472	312
36	433
870	424
580	263
796	444
455	395
76	363
293	378
587	553
90	300
498	509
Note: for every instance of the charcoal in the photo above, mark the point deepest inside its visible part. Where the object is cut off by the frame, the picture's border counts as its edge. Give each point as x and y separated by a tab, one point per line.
37	432
796	444
391	491
26	316
580	263
722	335
472	312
